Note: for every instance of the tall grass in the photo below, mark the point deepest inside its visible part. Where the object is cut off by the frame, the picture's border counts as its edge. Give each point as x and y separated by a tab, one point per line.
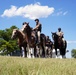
37	66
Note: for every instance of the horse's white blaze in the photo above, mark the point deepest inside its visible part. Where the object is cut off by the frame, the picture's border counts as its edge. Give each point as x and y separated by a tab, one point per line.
13	33
24	26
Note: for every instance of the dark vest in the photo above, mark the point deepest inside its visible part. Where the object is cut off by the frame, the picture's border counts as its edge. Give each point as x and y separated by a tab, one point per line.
39	28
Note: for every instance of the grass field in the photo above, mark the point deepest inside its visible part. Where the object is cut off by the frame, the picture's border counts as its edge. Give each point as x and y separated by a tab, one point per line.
37	66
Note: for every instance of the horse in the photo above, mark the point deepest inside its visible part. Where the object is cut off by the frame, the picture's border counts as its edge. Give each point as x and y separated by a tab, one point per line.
31	40
21	41
49	47
59	44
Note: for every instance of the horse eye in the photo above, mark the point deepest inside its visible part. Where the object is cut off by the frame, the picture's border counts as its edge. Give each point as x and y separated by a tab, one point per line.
15	32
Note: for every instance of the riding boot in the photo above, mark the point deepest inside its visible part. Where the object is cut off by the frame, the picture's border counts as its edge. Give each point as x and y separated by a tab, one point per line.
37	42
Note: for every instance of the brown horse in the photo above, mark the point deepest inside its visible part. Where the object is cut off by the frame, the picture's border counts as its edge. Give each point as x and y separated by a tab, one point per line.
21	40
31	39
59	44
49	47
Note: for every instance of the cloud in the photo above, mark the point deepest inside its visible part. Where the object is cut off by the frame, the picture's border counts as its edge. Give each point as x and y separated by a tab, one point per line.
31	11
65	12
10	12
59	13
71	42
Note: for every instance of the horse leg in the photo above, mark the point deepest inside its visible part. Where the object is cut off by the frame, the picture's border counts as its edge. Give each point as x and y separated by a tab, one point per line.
64	53
43	51
35	52
32	52
28	51
50	52
25	51
64	50
38	51
20	51
46	51
56	53
61	53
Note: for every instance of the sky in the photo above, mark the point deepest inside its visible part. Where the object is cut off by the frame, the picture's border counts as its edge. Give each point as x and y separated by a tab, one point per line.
52	14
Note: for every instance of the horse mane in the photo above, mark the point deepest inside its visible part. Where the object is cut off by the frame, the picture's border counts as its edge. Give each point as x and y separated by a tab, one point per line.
22	33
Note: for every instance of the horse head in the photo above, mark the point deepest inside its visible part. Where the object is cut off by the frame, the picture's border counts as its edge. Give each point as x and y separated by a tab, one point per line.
14	33
26	28
17	34
54	36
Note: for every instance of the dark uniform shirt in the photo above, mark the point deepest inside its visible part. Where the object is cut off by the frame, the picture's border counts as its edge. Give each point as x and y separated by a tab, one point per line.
40	27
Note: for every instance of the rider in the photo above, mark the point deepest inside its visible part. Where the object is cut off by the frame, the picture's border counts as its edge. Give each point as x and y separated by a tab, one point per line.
60	34
38	29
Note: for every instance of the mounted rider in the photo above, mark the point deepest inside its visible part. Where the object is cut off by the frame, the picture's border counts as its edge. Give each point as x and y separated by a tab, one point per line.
38	30
60	34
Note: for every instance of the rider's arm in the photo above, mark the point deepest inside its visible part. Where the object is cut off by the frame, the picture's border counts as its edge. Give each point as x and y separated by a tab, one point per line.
62	34
36	26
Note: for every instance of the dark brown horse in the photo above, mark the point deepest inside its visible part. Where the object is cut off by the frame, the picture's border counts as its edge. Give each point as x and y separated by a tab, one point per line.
21	40
31	38
59	44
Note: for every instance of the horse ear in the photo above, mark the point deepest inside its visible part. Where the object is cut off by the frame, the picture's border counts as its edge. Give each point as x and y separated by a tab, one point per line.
23	23
28	23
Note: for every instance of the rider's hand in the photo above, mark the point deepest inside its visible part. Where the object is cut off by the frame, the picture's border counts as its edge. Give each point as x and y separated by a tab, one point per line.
33	29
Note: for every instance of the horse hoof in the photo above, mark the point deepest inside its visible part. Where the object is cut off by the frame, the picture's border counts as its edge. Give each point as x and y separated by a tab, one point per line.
60	57
56	57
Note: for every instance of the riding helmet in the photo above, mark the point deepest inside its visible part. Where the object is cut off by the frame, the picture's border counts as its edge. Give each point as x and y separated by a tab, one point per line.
59	28
37	20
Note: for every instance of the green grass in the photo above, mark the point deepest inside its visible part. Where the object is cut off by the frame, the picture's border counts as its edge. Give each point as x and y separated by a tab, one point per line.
37	66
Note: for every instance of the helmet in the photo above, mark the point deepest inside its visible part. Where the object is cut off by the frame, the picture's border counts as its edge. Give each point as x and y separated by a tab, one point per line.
59	28
24	23
36	19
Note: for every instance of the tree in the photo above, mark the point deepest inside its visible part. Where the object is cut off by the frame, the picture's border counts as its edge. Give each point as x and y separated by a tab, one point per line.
7	45
73	52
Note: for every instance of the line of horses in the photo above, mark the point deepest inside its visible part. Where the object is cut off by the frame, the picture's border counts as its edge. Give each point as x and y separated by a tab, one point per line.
27	42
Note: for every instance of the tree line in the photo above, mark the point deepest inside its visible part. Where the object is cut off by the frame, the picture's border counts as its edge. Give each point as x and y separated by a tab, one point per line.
7	45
